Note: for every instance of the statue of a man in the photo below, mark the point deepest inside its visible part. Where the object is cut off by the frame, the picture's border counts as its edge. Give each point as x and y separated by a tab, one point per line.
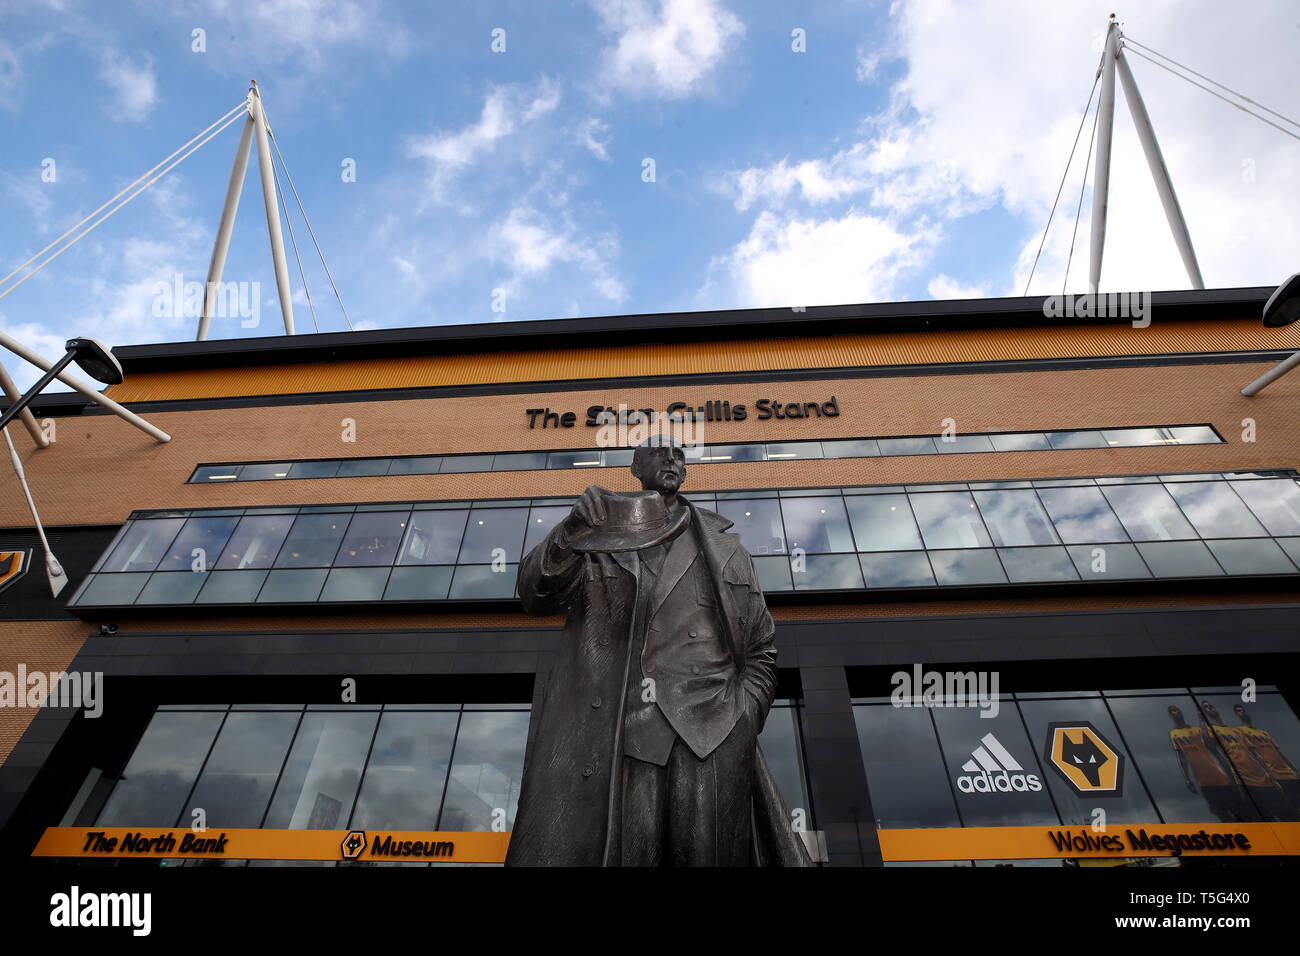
646	749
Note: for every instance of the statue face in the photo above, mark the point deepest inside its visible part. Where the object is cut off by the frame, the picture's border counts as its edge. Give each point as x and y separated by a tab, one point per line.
660	468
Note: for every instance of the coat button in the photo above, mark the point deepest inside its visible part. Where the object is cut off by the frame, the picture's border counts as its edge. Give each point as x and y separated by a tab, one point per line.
693	634
603	642
595	702
695	668
588	770
648	670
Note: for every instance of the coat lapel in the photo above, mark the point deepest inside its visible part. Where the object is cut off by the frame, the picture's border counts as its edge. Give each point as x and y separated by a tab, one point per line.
681	553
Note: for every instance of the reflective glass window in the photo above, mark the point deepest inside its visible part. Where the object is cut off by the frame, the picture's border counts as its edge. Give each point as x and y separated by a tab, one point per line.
883	523
541	521
851	448
905	771
406	776
1261	741
827	572
1178	559
255	543
758	522
236	783
773	574
320	779
711	453
961	444
433	537
486	770
1132	437
172	587
1148	513
231	587
779	741
313	541
143	545
967	567
416	465
520	461
817	525
314	469
363	467
899	569
993	766
1015	518
1108	561
1195	435
776	451
1215	510
111	589
482	581
949	520
355	584
1025	441
1037	564
490	529
622	457
216	473
586	458
418	584
208	535
156	780
1076	439
1081	515
1275	501
300	585
906	446
372	538
1251	556
264	471
460	464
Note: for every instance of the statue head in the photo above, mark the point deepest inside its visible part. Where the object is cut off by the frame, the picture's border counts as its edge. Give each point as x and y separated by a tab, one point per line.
659	463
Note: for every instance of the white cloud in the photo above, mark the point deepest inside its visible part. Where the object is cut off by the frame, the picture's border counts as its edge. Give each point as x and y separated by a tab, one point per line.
946	287
133	85
817	181
532	245
791	261
309	32
594	135
668	48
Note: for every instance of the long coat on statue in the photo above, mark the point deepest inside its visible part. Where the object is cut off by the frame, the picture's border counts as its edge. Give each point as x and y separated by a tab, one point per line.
570	807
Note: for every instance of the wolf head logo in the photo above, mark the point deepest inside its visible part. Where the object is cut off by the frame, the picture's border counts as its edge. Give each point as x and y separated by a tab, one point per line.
1086	756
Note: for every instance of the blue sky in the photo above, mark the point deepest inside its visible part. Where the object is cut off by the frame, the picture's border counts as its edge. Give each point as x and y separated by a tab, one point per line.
911	151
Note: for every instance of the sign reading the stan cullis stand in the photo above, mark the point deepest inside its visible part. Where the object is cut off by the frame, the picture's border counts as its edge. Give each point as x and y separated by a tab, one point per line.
714	410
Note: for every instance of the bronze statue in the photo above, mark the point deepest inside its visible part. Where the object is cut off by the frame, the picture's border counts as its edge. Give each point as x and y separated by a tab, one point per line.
646	749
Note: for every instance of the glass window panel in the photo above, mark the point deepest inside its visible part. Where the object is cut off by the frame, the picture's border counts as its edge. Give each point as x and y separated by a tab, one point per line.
779	741
714	453
255	543
758	522
355	584
1257	738
418	584
313	541
1182	767
460	464
1015	518
773	574
236	783
1081	515
1148	513
851	448
1063	482
172	587
314	469
541	521
949	520
372	539
152	789
407	772
1076	439
264	471
621	457
975	746
480	581
962	444
207	534
586	458
1202	476
520	461
143	545
1215	510
231	587
1108	562
1292	547
416	465
1026	441
807	492
906	446
363	467
883	523
1037	564
828	572
490	529
817	525
299	586
486	770
206	473
967	567
319	783
111	589
1275	501
1195	435
1132	437
1127	802
897	570
433	537
777	451
905	771
1178	559
1258	556
1129	480
994	485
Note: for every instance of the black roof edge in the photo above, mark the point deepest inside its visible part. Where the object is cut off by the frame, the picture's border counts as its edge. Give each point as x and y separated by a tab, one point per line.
662	327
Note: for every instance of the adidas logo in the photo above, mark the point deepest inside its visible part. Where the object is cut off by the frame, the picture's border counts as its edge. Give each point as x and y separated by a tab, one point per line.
992	769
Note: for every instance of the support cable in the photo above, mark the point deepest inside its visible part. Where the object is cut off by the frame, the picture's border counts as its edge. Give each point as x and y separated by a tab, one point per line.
294	242
1083	119
1078	209
77	238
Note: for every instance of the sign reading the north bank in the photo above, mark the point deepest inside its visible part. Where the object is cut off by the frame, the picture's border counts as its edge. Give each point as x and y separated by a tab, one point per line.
217	844
714	410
